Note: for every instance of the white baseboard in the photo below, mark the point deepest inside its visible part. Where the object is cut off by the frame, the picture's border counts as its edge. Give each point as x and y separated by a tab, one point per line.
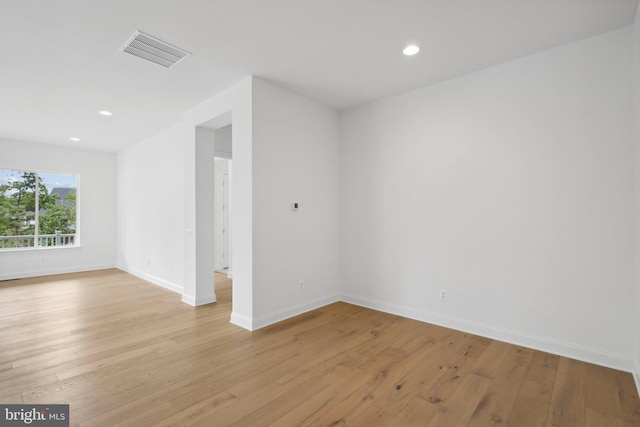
567	349
201	300
206	299
240	320
278	316
52	271
636	377
189	299
571	350
149	278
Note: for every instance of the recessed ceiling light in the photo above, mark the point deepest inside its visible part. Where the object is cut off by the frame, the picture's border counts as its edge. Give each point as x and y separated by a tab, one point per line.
411	50
105	113
74	139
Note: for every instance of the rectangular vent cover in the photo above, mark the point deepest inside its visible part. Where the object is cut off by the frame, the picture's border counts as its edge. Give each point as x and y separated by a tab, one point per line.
150	48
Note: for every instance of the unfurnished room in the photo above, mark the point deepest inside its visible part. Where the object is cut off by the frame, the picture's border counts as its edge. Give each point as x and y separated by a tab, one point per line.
304	213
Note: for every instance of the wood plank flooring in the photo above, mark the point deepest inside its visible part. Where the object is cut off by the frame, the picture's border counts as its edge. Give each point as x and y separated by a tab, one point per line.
125	352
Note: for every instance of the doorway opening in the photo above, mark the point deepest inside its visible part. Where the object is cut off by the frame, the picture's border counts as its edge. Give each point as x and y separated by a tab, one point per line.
222	242
213	208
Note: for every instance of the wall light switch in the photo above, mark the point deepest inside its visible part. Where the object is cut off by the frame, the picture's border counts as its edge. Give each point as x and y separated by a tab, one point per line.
294	206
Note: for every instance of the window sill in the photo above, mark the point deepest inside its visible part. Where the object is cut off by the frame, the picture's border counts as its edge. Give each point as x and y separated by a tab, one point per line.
39	248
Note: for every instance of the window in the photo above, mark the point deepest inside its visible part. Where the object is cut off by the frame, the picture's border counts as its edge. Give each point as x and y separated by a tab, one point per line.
37	209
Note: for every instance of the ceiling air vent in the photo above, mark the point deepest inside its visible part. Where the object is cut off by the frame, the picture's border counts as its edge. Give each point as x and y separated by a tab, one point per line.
150	48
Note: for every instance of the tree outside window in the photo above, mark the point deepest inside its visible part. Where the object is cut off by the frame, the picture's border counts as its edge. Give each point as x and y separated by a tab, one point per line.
37	209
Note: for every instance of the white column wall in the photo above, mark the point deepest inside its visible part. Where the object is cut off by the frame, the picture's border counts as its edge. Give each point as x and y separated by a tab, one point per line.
295	159
236	102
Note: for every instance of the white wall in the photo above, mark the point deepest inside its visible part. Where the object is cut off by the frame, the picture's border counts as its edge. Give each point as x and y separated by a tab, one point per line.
97	217
636	140
234	104
163	228
224	139
150	209
285	148
510	188
295	158
205	217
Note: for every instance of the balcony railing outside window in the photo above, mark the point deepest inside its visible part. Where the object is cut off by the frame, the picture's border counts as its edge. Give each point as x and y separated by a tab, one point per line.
44	240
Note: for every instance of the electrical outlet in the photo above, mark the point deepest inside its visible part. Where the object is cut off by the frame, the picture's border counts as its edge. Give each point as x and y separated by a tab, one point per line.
301	286
443	294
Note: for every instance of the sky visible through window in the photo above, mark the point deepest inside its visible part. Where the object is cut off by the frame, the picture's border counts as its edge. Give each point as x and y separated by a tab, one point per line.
50	180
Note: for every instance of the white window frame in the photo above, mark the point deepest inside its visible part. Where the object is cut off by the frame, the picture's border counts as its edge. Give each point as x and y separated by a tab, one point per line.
36	235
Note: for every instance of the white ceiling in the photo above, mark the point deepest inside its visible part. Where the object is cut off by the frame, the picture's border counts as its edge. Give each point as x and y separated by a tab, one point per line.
61	61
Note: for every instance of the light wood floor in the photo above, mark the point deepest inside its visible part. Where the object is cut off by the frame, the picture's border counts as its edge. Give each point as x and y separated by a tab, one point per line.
122	351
